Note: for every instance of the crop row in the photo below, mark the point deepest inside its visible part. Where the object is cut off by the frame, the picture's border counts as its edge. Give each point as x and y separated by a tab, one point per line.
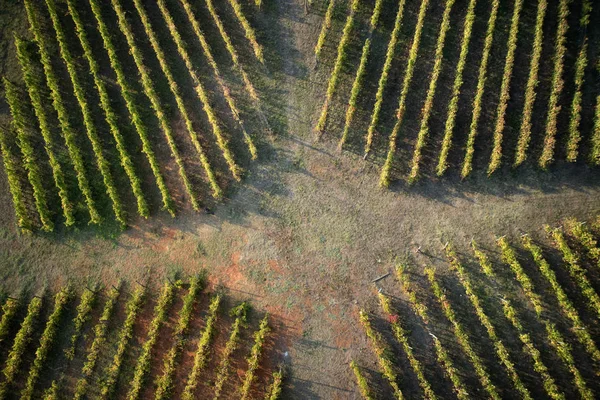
509	62
382	353
34	84
557	85
165	382
150	92
14	182
181	48
585	238
575	270
109	113
532	83
467	165
339	62
563	300
201	354
324	28
528	346
240	313
384	178
456	87
100	331
401	337
463	338
86	303
361	381
383	78
46	341
360	74
143	363
554	336
128	95
232	54
63	119
255	353
12	364
421	310
112	372
248	30
501	350
428	105
90	128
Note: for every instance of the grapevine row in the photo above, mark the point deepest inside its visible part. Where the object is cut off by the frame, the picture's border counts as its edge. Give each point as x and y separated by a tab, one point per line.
501	350
580	65
595	141
46	341
181	48
232	54
467	165
92	134
143	362
201	355
9	310
88	299
100	331
274	391
456	87
428	105
255	353
554	337
532	83
401	337
109	114
113	370
574	134
563	300
22	339
575	270
326	25
383	78
339	61
381	351
174	87
150	92
496	156
132	107
240	312
248	30
585	237
360	74
464	342
14	183
384	178
510	258
441	354
209	111
363	385
165	381
557	85
65	125
528	346
34	83
206	106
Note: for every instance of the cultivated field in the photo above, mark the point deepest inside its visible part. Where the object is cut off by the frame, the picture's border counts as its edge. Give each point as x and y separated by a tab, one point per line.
392	199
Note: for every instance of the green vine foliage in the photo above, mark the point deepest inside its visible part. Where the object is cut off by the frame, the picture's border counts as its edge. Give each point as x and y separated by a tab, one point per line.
22	339
127	93
467	165
109	113
384	177
11	167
